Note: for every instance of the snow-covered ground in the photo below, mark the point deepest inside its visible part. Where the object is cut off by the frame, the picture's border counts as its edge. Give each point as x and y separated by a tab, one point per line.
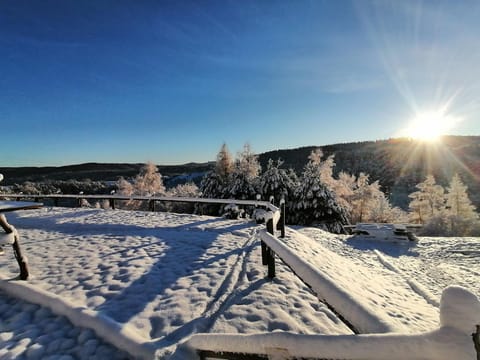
146	282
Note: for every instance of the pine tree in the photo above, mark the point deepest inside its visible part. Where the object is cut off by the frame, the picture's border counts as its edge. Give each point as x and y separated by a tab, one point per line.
315	203
277	182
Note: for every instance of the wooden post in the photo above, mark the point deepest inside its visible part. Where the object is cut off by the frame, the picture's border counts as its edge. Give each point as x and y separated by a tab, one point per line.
264	253
476	341
270	255
17	250
281	221
151	205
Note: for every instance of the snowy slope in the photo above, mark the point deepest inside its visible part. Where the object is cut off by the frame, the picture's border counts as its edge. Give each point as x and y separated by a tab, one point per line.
434	263
146	282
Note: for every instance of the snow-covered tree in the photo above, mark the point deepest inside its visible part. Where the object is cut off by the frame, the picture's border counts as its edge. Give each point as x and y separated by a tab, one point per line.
427	202
243	180
224	163
147	183
277	182
364	199
381	211
215	183
343	188
459	209
315	202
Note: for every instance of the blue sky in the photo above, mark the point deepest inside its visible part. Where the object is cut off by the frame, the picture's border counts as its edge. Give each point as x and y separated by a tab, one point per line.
170	81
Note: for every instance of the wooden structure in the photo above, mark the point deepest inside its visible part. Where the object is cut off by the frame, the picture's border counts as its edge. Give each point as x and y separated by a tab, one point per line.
11	235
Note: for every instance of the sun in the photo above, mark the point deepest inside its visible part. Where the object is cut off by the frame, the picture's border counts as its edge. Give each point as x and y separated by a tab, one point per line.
430	125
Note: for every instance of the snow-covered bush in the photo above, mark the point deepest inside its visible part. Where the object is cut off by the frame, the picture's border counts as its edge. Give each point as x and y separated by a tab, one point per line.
259	215
232	211
188	190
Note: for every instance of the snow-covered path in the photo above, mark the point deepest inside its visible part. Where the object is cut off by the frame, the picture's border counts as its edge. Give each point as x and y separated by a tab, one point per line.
434	263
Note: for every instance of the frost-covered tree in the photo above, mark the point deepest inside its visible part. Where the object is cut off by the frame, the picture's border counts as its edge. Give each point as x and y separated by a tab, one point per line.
427	202
381	211
243	181
316	204
343	188
215	183
147	183
460	212
364	198
224	163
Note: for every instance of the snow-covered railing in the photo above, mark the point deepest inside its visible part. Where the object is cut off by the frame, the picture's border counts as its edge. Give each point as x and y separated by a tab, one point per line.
337	299
113	198
459	316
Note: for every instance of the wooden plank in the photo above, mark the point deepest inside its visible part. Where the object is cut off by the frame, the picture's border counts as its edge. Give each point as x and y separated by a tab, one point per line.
6	206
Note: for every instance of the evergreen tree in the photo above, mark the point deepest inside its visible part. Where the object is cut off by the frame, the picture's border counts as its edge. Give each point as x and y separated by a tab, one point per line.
315	203
277	182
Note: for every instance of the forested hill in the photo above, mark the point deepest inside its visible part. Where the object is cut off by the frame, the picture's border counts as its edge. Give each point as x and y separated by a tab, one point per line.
398	164
94	172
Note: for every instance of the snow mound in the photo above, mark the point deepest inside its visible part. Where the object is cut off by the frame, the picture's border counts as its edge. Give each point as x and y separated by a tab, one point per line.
459	309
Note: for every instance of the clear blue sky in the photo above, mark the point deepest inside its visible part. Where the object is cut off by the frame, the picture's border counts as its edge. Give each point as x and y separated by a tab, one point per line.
170	81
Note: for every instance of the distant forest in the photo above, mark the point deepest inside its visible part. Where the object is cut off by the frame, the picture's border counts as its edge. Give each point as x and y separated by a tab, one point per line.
398	164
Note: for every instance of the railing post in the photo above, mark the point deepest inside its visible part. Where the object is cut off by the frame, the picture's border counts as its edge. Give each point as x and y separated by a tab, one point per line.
112	203
264	254
281	221
151	205
270	255
476	341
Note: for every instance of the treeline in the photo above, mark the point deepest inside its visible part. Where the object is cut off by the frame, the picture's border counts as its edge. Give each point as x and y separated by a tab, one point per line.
318	195
398	164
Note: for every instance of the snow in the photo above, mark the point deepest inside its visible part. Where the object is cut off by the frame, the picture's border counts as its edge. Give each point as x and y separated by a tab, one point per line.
141	285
